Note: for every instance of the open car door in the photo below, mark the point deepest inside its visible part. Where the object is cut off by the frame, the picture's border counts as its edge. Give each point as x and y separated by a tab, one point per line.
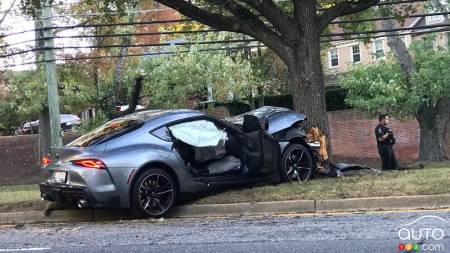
261	151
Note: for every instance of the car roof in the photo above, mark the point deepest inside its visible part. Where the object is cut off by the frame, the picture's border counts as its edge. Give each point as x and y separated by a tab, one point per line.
148	115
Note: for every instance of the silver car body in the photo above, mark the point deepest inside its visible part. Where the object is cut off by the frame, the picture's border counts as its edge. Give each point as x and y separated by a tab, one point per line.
127	155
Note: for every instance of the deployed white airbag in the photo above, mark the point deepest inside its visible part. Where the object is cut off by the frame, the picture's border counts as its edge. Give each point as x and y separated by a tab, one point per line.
200	133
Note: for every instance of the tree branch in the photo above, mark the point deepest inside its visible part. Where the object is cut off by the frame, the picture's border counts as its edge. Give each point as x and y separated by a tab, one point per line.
7	11
273	14
342	9
241	21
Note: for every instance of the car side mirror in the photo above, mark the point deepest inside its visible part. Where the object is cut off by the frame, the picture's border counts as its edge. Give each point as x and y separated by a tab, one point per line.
251	124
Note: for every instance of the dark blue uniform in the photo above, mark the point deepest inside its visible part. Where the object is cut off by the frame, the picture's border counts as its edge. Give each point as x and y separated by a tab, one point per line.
385	148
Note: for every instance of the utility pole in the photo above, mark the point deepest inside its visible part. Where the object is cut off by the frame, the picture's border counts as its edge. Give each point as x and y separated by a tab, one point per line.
50	69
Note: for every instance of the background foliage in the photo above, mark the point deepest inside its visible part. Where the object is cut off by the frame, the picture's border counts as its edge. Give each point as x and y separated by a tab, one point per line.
382	87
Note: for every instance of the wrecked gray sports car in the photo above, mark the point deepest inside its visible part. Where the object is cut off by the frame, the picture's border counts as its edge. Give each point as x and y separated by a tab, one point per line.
149	160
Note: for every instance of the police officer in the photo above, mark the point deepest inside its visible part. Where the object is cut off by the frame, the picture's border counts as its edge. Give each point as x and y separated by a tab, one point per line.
385	141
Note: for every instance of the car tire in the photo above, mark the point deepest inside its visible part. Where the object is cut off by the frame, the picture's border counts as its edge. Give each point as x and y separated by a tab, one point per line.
293	170
154	193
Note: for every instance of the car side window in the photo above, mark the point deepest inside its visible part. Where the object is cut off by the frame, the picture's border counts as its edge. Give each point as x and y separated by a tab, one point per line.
162	133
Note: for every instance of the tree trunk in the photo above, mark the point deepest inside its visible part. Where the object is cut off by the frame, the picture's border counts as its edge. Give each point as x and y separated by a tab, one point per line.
260	96
306	77
433	122
135	95
399	49
118	93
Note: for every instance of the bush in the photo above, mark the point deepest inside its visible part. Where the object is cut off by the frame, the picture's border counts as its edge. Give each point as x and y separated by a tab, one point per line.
234	107
335	98
278	100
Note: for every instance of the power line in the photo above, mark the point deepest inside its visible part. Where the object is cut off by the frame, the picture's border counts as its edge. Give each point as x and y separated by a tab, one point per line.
388	18
123	34
128	46
228	48
162	9
386	30
192	43
388	35
180	21
191	20
99	25
165	33
133	55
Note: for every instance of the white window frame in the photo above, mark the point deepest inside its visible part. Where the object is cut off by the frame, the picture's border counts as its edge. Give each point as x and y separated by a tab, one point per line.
352	54
330	64
430	20
448	40
374	49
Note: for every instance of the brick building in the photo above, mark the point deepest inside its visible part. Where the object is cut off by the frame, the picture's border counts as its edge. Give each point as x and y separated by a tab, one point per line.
353	135
342	54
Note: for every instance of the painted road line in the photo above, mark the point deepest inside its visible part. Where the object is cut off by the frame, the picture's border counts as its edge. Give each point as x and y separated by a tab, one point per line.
23	249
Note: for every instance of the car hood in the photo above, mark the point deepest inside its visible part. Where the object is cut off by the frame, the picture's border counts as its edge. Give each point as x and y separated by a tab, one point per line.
279	118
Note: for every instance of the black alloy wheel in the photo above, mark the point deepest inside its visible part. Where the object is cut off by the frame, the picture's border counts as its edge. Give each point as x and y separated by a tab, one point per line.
298	165
154	193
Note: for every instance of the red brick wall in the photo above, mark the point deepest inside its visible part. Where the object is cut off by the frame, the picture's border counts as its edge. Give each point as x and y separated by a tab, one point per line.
353	135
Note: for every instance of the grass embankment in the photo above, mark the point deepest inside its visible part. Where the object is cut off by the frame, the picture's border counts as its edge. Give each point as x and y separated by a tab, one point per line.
18	193
427	181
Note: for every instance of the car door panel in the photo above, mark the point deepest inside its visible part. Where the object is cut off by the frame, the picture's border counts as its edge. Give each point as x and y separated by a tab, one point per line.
261	151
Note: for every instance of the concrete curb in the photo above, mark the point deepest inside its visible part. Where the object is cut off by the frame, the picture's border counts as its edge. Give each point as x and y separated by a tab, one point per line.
240	209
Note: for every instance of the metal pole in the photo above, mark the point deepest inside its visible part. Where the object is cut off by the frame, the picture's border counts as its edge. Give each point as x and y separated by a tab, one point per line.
52	86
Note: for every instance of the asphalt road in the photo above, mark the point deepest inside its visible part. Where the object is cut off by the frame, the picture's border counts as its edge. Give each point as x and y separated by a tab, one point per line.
373	232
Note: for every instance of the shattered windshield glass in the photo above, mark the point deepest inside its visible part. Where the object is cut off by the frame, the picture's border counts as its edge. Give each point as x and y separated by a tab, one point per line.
107	130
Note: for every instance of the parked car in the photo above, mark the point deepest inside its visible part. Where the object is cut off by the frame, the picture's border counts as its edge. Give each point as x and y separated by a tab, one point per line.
68	121
149	160
31	127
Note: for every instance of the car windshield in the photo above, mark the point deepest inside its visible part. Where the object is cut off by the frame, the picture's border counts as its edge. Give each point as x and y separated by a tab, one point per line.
109	129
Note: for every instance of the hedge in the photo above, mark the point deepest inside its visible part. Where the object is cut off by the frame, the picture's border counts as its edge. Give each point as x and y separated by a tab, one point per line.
335	98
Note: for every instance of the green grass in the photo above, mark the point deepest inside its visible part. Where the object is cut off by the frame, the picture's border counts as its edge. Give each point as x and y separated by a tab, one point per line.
427	181
19	193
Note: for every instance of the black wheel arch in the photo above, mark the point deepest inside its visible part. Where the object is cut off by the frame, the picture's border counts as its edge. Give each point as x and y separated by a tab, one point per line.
296	135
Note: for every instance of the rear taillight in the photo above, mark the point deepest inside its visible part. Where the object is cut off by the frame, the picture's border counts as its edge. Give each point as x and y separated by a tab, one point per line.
89	163
46	160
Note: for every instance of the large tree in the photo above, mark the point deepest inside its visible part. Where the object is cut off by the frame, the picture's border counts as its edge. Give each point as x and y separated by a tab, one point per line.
291	29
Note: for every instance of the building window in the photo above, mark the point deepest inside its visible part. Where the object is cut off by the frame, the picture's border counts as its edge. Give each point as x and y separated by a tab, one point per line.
334	58
356	53
378	49
434	19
